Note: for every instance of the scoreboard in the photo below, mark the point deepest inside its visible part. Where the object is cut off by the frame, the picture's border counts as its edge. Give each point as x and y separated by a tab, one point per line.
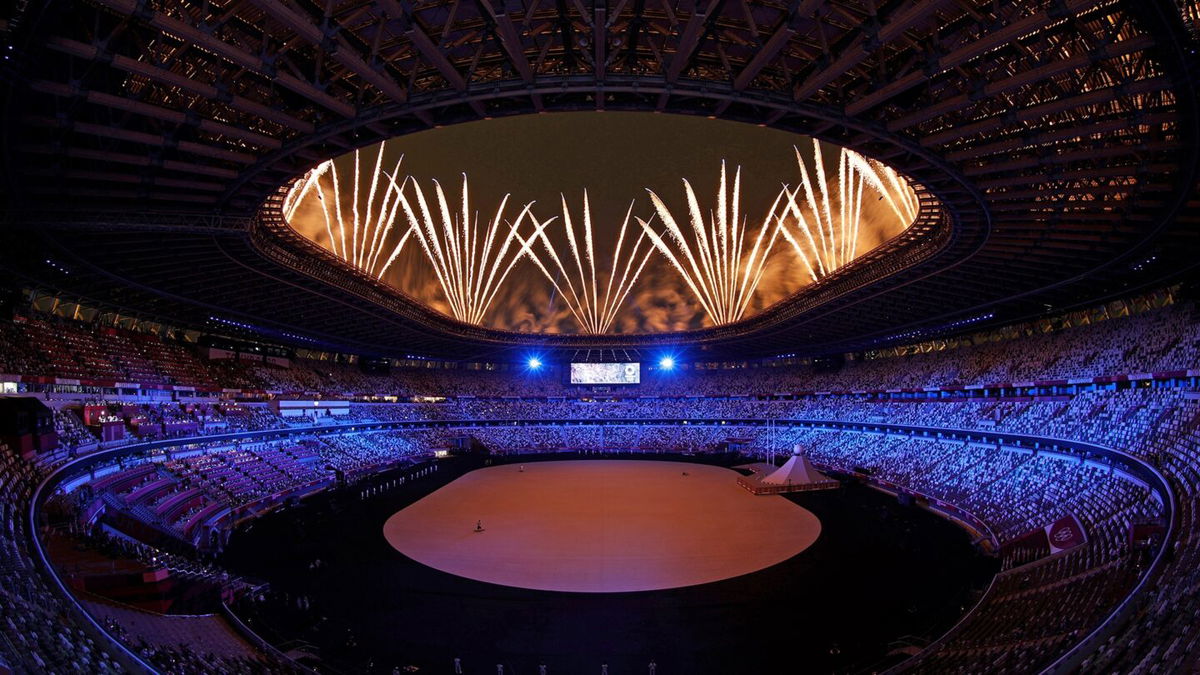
606	373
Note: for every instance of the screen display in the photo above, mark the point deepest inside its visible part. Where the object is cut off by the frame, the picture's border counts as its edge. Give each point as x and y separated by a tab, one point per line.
606	373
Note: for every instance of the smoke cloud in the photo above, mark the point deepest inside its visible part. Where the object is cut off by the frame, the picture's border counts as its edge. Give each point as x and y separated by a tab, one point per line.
616	157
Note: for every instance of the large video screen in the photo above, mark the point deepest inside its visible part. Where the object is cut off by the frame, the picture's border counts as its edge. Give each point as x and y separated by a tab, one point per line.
606	373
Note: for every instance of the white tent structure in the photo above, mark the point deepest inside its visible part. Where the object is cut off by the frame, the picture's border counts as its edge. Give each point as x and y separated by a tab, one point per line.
796	471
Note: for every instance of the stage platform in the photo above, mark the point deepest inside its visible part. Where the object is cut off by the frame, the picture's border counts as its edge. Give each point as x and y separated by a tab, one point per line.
600	526
756	485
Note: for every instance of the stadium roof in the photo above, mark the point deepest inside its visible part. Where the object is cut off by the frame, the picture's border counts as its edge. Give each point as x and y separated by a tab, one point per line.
1056	141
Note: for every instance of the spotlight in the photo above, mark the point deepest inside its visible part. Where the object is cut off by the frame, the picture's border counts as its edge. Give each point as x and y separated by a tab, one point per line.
534	363
666	363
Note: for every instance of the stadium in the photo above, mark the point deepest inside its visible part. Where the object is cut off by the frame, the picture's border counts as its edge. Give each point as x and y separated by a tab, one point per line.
600	336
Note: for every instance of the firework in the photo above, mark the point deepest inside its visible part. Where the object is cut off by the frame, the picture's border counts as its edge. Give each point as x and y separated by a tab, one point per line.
714	264
594	308
367	235
824	242
471	264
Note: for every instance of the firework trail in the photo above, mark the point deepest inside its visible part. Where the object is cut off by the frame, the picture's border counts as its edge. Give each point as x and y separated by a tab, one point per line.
593	307
471	263
713	262
369	228
825	243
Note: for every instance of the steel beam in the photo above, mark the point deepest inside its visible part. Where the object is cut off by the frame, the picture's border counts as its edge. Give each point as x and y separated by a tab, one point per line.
230	52
167	77
344	53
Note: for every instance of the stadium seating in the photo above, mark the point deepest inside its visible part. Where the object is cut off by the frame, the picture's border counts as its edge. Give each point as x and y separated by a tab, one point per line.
1122	384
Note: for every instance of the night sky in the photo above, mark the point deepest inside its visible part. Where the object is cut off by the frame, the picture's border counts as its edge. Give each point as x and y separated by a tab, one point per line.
616	156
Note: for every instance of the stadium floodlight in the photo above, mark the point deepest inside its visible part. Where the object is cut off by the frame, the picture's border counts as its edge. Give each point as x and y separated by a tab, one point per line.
666	363
534	363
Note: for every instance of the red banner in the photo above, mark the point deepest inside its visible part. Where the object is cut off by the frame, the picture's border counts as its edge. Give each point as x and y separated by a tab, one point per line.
1065	533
